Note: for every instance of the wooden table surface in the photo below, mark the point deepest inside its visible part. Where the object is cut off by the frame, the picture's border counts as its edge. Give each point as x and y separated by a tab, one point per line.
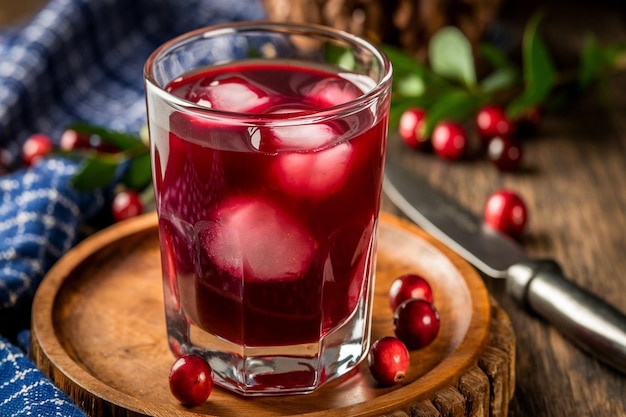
574	184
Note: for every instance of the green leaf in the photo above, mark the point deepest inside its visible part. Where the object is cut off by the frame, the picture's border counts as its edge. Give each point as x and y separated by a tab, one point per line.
539	71
494	56
411	85
499	79
450	54
121	141
340	56
454	105
97	171
405	66
591	61
139	173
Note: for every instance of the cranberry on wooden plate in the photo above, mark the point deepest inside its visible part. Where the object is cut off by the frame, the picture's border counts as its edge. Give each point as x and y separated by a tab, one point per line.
409	286
416	322
388	360
190	380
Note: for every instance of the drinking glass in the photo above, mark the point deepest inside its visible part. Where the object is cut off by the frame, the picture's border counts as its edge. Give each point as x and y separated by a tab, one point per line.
267	144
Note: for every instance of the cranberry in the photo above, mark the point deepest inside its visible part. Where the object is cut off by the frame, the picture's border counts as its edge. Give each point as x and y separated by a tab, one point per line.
505	153
35	147
491	121
411	127
190	380
416	322
506	212
449	140
409	286
72	140
388	360
126	204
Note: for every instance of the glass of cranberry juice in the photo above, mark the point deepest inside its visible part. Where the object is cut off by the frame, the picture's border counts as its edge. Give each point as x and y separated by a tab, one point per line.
267	145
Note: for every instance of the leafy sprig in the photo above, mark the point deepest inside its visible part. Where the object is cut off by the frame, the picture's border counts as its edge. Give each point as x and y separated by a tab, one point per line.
129	164
448	87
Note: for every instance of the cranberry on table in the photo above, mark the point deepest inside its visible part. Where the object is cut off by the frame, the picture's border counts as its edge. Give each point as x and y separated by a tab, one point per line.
35	147
190	380
505	153
126	204
449	140
388	360
409	286
410	128
506	212
416	322
491	121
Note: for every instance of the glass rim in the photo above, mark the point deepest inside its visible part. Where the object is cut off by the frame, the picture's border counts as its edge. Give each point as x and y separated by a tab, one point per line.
291	118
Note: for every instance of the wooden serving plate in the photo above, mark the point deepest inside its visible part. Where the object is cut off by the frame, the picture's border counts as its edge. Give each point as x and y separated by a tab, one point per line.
98	331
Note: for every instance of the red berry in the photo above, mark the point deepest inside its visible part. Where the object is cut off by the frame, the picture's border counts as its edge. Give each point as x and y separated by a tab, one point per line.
35	147
190	380
71	140
411	128
491	121
506	212
126	204
416	322
409	286
449	140
505	153
388	360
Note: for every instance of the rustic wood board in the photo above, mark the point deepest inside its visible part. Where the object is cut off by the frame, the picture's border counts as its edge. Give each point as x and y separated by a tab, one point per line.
98	331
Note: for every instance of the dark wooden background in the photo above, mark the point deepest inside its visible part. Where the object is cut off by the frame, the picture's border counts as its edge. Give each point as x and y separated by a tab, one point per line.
574	183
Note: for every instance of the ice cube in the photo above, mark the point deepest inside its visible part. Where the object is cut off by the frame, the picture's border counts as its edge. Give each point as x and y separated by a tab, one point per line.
233	94
253	238
314	174
332	92
301	137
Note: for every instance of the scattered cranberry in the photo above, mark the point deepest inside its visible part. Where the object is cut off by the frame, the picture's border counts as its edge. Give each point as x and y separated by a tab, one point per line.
72	140
126	204
506	212
491	121
411	126
449	140
190	380
409	286
416	322
35	147
388	360
505	153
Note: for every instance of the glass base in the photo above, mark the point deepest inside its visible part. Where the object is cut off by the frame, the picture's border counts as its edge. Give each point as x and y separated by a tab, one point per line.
276	370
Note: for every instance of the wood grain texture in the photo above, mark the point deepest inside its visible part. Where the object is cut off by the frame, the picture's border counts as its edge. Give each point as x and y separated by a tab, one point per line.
99	332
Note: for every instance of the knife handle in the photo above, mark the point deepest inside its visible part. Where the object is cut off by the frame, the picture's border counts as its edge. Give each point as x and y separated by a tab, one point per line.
588	321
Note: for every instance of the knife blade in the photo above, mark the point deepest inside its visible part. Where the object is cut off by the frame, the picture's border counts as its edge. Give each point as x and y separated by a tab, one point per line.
539	285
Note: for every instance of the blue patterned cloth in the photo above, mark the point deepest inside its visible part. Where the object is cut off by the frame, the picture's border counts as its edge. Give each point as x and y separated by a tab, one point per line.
76	60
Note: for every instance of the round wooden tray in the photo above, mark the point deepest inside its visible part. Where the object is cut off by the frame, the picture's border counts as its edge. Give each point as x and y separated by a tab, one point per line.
98	331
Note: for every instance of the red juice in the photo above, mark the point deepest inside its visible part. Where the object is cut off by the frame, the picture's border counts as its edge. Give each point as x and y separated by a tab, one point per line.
269	228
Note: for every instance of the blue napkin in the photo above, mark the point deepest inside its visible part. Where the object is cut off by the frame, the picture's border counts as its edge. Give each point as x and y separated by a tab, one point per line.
76	60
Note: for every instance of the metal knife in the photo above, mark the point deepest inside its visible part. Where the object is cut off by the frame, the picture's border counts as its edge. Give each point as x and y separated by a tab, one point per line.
539	285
